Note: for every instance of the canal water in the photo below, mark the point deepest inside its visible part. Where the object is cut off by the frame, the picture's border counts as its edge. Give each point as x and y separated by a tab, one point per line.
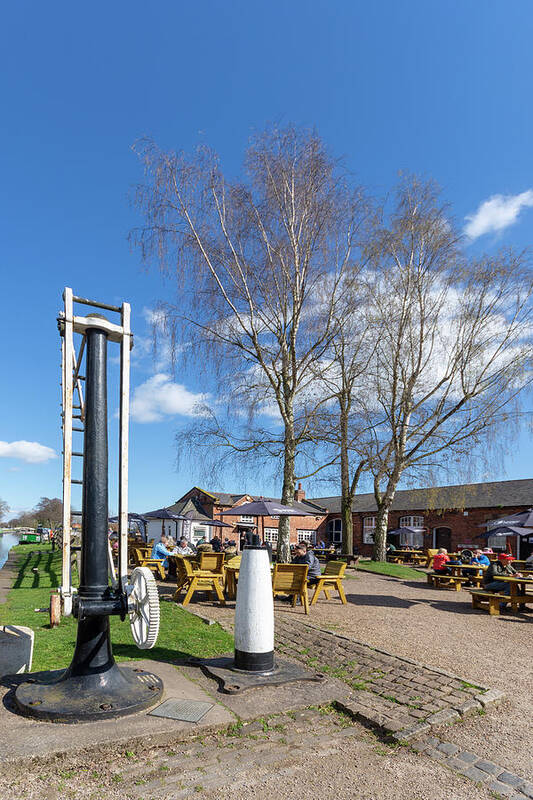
7	541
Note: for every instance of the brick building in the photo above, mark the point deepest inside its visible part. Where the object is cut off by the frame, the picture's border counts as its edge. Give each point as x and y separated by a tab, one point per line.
203	505
451	516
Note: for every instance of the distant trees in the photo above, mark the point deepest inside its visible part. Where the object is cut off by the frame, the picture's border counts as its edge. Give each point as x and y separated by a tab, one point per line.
4	509
48	513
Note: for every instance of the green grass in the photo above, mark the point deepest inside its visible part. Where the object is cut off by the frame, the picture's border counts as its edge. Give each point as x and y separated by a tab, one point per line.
393	570
180	634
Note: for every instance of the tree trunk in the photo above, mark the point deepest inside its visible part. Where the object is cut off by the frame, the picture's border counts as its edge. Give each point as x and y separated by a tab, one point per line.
287	496
379	553
346	494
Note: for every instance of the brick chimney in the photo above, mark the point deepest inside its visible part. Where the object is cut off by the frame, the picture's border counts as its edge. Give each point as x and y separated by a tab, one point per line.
299	494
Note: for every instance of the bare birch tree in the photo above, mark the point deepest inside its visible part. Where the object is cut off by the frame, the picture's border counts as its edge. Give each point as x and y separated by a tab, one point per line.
259	266
454	349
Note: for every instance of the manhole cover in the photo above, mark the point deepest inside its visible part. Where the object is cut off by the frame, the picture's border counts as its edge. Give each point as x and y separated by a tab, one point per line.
184	710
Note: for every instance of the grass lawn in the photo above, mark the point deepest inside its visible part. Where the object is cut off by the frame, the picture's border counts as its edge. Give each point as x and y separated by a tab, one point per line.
180	633
393	570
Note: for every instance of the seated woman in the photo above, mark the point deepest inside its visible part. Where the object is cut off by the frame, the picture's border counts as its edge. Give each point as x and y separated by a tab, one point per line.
161	550
440	559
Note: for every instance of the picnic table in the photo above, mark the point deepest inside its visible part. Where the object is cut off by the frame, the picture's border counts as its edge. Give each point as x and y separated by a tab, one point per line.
403	556
519	594
458	574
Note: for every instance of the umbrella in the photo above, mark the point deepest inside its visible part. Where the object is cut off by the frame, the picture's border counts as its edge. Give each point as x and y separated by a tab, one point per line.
162	514
266	508
132	517
524	519
406	529
507	530
213	523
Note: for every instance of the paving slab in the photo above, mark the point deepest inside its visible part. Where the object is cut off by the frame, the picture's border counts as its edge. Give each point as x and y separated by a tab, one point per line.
23	737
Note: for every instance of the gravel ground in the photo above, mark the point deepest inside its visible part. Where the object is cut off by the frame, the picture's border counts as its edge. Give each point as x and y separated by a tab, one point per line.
317	755
439	628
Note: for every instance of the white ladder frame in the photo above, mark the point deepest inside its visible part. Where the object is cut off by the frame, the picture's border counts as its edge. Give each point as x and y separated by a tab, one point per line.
69	324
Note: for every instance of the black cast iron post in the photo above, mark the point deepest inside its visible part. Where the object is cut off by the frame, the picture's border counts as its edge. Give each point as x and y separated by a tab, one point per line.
93	686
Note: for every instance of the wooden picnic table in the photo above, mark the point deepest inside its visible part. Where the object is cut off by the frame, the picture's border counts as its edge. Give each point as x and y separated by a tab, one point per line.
402	556
518	589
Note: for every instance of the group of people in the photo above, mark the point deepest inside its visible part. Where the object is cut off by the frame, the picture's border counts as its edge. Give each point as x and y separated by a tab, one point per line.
480	558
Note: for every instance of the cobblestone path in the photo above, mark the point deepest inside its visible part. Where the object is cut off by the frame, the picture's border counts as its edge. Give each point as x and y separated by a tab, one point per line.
401	696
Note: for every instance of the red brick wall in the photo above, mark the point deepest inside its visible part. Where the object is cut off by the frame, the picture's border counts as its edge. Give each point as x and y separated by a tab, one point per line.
465	529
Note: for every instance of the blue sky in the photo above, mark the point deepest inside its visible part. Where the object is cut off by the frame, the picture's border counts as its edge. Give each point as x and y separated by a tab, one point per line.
441	88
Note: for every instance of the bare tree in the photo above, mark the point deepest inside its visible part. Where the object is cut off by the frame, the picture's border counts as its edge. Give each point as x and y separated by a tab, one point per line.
49	511
4	509
259	266
454	349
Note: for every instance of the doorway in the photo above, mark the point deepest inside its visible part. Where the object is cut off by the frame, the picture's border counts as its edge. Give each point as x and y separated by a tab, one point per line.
442	538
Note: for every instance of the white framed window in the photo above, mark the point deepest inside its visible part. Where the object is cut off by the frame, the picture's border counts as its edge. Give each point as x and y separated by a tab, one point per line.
247	518
411	522
369	527
335	530
306	536
271	535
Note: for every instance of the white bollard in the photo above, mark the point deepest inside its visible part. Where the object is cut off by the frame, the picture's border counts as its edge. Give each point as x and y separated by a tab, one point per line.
254	613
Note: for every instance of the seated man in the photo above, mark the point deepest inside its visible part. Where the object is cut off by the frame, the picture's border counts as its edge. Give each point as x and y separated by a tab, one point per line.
440	559
500	567
183	548
480	559
161	550
304	556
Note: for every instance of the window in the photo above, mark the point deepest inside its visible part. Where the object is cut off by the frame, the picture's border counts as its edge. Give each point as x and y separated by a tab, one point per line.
369	526
306	536
271	535
247	518
335	530
411	522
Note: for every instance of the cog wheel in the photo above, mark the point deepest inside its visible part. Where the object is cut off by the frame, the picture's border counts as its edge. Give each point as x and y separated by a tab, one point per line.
143	608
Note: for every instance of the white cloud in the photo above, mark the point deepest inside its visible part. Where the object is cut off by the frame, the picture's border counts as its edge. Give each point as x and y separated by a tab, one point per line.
497	213
31	452
159	396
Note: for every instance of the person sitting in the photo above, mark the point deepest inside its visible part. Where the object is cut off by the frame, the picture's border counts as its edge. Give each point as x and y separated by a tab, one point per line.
216	544
500	567
304	556
160	550
480	559
529	560
391	548
183	548
440	559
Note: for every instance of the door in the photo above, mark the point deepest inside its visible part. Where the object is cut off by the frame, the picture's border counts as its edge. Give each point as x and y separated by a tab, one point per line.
443	538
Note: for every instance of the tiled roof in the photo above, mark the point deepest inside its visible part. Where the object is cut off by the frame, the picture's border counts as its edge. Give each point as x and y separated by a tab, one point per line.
499	494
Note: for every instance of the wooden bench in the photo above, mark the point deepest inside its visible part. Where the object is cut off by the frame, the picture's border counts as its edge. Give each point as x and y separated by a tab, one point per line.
491	601
446	581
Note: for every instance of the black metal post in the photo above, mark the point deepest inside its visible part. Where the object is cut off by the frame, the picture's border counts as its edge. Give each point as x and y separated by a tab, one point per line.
93	686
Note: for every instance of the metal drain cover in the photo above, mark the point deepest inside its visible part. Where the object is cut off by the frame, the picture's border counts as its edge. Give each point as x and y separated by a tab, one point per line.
184	710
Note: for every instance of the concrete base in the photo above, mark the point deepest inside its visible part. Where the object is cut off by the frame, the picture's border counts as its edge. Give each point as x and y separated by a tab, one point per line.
24	737
16	649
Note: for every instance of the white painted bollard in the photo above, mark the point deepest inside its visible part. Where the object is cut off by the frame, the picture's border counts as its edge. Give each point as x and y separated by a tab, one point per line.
254	613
